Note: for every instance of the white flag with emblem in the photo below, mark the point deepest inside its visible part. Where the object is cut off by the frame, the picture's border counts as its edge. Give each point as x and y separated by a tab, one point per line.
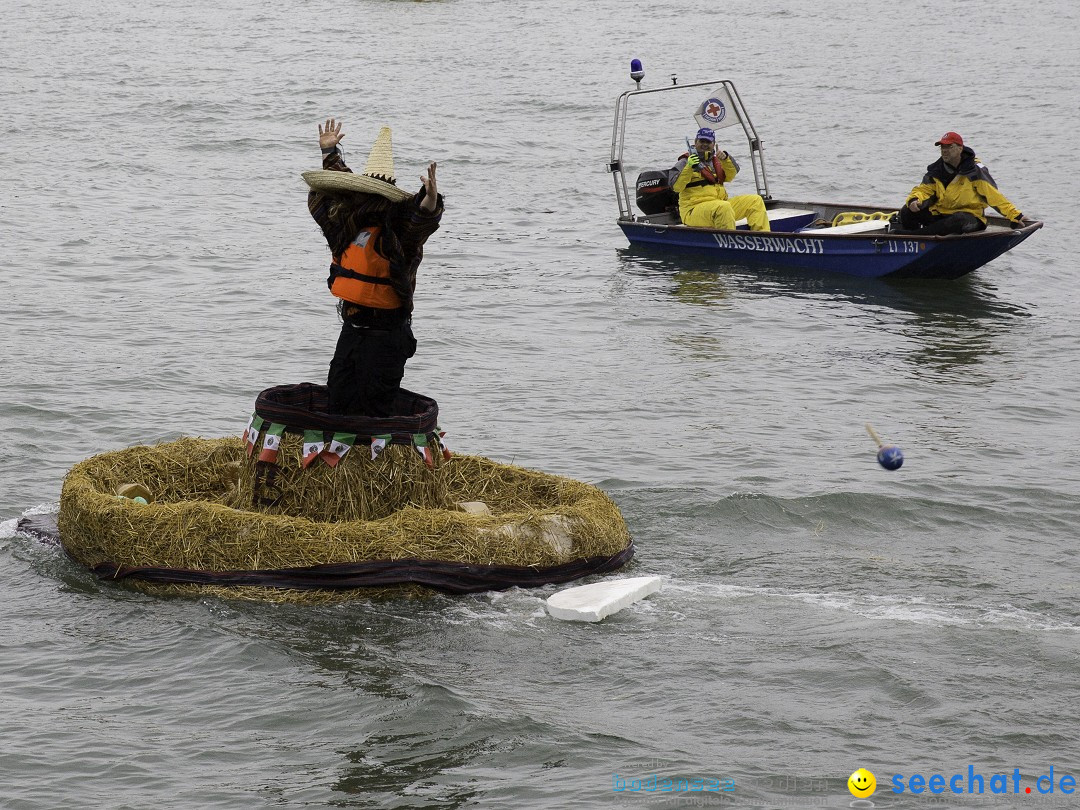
716	111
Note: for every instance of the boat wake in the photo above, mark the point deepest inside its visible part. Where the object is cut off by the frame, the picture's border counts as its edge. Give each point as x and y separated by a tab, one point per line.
894	608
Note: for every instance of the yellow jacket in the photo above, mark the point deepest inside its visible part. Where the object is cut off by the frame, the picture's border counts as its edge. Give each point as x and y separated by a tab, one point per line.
970	189
694	188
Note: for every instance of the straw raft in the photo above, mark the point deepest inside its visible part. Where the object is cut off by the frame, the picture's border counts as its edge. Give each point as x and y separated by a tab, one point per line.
393	509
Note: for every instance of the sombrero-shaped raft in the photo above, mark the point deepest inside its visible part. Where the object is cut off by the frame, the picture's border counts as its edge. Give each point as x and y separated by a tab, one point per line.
311	506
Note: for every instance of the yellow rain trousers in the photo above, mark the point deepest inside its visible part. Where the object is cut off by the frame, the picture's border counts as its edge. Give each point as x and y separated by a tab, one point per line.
723	214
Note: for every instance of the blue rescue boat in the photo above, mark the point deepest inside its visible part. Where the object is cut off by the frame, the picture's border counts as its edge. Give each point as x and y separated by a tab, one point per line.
807	236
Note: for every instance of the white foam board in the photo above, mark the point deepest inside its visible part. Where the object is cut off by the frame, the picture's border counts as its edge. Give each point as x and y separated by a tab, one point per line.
851	227
591	603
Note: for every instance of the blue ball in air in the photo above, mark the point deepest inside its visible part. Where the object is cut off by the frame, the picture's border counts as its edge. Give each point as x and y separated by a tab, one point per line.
890	457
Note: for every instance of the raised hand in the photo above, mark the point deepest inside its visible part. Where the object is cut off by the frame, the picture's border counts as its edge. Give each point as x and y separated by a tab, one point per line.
693	161
431	189
330	136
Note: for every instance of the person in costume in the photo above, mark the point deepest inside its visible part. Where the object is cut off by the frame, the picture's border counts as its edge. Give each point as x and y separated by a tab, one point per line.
953	195
376	234
703	200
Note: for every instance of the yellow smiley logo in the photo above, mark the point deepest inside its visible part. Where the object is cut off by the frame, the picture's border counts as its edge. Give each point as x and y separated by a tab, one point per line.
862	783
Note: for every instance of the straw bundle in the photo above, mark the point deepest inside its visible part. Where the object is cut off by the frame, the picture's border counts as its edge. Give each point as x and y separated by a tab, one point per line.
392	508
358	488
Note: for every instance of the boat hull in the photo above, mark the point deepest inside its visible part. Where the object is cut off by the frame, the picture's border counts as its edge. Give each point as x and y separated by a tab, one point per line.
877	255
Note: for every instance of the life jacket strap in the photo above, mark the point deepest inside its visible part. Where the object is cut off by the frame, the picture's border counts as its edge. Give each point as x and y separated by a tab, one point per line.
336	271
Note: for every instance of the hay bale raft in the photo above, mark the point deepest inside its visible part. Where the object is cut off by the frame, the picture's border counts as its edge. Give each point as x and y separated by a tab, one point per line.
322	532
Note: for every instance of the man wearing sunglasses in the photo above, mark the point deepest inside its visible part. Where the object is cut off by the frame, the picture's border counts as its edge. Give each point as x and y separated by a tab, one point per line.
703	200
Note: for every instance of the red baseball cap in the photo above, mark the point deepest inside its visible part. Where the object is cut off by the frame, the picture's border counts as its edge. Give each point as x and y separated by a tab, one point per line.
950	137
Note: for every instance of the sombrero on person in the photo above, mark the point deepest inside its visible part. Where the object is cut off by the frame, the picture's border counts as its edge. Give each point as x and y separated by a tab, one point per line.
376	178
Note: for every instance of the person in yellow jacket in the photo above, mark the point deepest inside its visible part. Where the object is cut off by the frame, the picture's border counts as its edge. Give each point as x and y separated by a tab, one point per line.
953	195
703	200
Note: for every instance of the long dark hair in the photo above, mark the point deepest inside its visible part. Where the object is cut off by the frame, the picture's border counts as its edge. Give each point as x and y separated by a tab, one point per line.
349	213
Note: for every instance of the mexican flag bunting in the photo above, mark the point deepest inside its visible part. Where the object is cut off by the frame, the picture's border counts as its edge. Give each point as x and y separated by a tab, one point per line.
442	444
339	446
313	445
251	435
271	443
378	444
421	445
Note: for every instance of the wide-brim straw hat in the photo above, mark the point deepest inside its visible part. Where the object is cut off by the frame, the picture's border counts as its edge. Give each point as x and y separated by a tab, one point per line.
376	178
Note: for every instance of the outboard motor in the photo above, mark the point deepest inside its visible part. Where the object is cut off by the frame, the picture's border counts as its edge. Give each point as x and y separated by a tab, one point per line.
654	194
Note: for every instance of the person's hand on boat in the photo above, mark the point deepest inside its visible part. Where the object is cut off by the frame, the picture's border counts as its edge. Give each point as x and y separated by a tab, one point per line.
330	136
431	189
1020	222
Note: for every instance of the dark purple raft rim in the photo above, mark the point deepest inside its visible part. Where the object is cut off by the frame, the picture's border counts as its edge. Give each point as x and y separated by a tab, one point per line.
448	577
305	406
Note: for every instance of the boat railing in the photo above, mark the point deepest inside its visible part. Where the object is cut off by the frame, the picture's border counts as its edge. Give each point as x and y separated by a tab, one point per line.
618	138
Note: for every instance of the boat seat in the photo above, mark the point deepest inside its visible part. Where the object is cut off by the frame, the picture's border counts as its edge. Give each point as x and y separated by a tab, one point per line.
783	219
852	227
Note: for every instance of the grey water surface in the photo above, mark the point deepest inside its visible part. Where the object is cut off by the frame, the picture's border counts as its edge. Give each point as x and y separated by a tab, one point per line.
819	613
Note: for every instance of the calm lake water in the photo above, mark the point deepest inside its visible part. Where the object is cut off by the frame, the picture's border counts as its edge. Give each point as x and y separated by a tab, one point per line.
819	613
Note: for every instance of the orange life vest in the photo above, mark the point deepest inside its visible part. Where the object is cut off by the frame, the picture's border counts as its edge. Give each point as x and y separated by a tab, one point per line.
361	275
712	173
